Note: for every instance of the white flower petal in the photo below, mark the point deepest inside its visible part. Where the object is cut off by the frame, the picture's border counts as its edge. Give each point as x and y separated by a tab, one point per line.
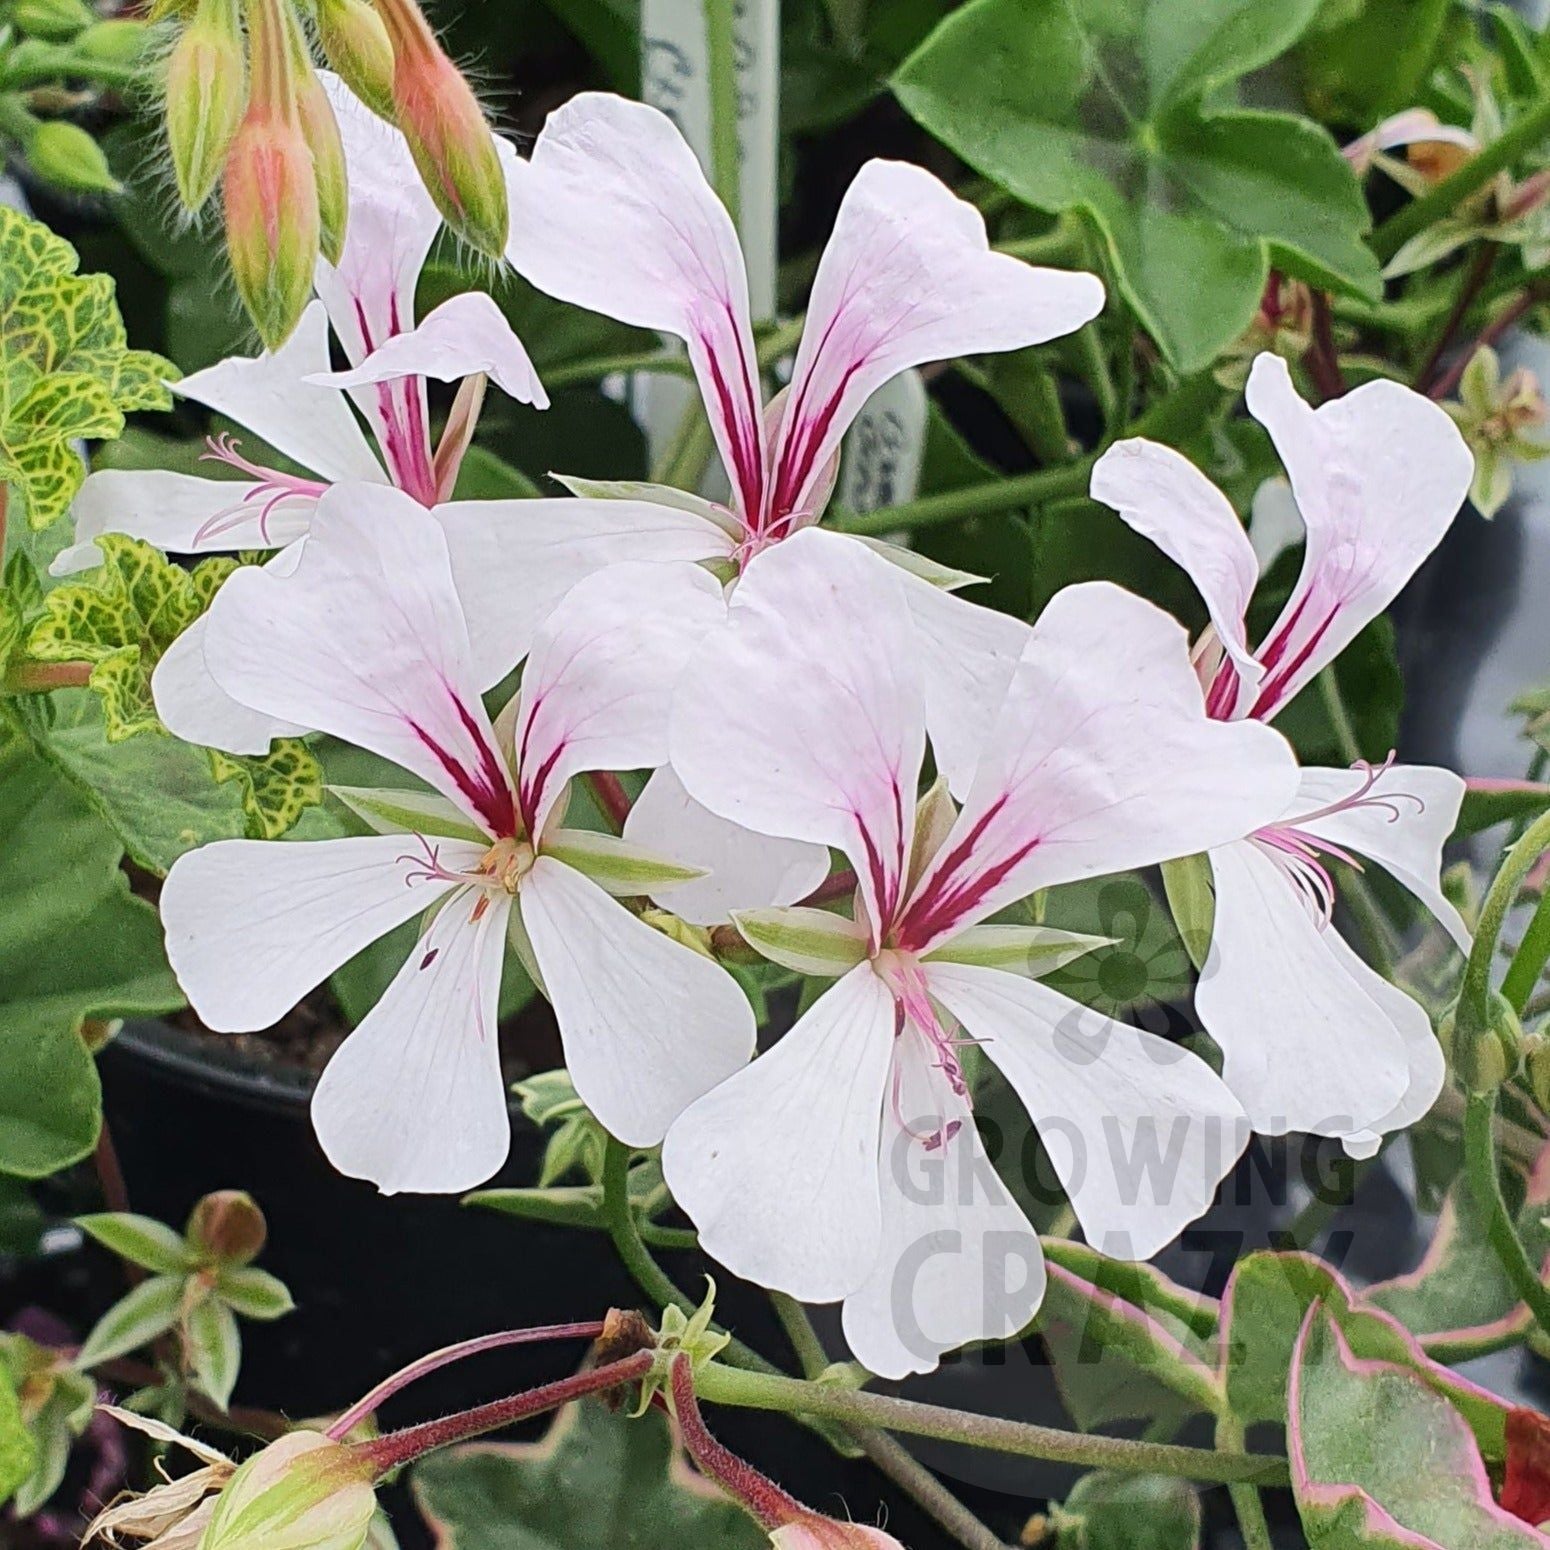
1139	1130
514	560
253	925
465	335
907	277
744	870
1102	758
778	1166
600	677
1164	497
648	1024
366	641
271	396
414	1099
613	213
1378	475
959	1260
1412	811
812	726
1304	1046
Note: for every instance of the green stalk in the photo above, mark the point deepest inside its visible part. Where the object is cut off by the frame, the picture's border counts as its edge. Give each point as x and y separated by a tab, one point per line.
1245	1498
857	1407
1528	963
725	151
1485	1184
1422	33
647	362
1416	216
1474	994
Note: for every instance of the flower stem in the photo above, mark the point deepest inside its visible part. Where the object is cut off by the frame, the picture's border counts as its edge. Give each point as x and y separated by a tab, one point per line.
1478	272
1437	202
1528	962
1526	299
723	1385
651	362
611	797
435	1360
1474	994
1245	1498
396	1449
1485	1184
41	677
721	59
1323	358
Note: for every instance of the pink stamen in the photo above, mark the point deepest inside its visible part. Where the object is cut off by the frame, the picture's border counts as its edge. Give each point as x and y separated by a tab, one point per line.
273	488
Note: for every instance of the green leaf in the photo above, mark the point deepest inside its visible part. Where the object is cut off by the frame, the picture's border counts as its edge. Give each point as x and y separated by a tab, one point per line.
136	1319
212	1347
1378	1458
254	1293
597	1481
56	1406
122	617
1489	801
1128	1512
65	367
74	943
276	787
141	1240
18	1455
1101	107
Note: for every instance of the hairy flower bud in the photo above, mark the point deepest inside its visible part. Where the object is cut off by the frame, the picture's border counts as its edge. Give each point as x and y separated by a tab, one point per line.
359	51
440	117
273	226
303	1492
120	42
206	98
64	154
228	1226
321	129
1483	1057
55	20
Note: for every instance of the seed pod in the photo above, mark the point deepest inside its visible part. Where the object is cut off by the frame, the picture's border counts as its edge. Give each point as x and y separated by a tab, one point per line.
206	98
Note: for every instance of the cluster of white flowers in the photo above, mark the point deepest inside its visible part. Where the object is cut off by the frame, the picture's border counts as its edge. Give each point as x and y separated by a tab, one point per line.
786	685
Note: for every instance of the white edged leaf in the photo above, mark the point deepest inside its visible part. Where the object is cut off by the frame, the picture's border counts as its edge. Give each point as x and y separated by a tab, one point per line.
388	810
616	865
213	1348
807	941
254	1293
1032	951
142	1240
136	1319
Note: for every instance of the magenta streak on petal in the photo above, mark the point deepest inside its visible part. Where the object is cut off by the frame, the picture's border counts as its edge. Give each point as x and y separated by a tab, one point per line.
885	882
486	790
1279	674
947	897
797	461
746	472
405	441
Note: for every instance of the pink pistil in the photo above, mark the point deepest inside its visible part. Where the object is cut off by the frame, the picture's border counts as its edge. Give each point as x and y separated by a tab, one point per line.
273	487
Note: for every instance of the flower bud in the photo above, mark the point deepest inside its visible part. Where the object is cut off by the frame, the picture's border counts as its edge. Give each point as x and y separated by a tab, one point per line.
64	154
815	1532
1536	1067
228	1226
1483	1057
55	20
321	129
303	1492
273	226
358	51
206	97
120	42
439	116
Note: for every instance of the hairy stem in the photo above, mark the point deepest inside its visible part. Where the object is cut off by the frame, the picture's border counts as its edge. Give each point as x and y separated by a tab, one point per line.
1475	276
41	677
611	797
1474	994
1528	962
1523	302
1485	1184
1245	1498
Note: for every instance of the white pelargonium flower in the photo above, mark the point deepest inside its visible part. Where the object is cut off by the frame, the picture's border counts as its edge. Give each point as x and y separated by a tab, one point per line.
293	400
367	641
613	213
1312	1038
844	1164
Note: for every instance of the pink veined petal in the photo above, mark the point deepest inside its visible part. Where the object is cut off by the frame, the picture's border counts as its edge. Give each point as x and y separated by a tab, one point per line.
392	223
1378	476
253	925
778	1166
907	277
1101	758
812	726
744	870
1304	1046
270	395
1139	1130
414	1099
466	335
599	681
513	560
1164	497
1400	816
613	213
180	513
958	1260
648	1024
367	641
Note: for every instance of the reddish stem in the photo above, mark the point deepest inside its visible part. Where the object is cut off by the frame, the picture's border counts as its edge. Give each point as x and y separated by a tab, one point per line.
1479	272
1523	302
1323	358
771	1505
436	1360
840	886
611	796
40	677
396	1449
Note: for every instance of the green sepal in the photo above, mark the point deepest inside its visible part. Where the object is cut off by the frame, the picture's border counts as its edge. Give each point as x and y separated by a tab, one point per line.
617	866
1192	899
388	810
1031	951
803	939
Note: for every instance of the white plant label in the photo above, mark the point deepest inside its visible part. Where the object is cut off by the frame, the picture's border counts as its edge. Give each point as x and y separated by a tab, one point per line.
886	446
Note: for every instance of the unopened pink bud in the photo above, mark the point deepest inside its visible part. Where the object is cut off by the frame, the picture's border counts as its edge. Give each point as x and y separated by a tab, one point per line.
438	114
321	129
207	92
228	1226
356	44
815	1532
273	227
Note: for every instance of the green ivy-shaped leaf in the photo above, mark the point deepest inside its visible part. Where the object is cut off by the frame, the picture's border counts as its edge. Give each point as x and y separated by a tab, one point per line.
277	788
66	369
122	617
1118	110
